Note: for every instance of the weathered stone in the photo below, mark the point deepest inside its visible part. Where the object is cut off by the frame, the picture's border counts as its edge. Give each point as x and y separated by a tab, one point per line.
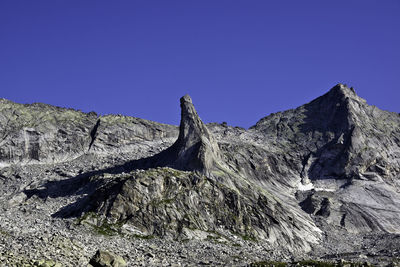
106	259
321	180
196	148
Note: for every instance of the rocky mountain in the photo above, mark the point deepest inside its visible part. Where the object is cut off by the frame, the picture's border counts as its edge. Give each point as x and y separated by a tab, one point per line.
319	182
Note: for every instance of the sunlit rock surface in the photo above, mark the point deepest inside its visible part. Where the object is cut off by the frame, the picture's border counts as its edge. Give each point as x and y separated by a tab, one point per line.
319	181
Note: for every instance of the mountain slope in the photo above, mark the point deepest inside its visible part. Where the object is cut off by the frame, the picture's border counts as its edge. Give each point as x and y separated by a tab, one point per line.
205	198
349	148
317	180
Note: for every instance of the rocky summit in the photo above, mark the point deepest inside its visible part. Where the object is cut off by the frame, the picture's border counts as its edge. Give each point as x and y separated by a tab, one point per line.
318	185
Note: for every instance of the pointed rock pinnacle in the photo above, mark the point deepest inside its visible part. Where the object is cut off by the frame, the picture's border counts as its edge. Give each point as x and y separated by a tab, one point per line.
195	148
191	128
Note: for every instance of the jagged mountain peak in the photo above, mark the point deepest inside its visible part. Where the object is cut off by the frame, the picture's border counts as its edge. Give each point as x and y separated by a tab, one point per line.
339	95
332	112
338	131
343	89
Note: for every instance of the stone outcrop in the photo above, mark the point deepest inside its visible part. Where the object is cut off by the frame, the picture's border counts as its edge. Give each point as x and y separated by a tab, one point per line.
347	147
43	134
315	181
183	198
195	148
106	259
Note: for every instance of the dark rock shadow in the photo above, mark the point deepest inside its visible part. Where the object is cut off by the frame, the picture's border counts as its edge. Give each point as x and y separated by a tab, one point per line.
328	113
326	120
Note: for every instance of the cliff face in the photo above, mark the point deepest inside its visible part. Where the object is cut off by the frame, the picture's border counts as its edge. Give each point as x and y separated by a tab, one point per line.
300	181
40	134
349	153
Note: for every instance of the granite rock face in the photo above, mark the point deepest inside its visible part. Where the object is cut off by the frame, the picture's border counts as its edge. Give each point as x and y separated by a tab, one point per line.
106	259
188	190
42	133
321	180
195	148
350	149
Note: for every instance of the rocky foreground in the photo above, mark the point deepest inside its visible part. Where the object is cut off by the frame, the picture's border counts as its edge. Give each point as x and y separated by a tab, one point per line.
318	185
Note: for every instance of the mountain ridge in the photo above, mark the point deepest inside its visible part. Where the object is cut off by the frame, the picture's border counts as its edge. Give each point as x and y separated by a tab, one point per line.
299	183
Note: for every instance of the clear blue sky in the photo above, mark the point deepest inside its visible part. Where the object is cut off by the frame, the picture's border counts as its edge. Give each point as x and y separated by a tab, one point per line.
239	60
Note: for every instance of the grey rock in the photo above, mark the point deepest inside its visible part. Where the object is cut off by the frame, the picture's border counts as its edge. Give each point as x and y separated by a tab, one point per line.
319	181
127	135
196	148
106	259
42	133
189	204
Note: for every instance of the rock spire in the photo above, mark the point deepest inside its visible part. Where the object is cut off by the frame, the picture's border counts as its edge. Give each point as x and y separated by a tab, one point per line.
195	149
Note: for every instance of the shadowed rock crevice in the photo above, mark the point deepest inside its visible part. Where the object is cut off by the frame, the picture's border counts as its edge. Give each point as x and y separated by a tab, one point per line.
93	133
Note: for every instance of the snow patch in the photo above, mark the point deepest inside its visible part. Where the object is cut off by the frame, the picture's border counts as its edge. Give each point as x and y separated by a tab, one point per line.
325	189
305	187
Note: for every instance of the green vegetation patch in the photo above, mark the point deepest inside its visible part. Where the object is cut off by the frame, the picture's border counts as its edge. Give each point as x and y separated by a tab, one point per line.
145	237
246	237
314	263
46	263
162	202
310	263
105	228
268	264
4	233
164	172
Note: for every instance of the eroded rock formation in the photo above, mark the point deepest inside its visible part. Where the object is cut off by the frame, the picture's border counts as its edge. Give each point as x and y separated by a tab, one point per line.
313	181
